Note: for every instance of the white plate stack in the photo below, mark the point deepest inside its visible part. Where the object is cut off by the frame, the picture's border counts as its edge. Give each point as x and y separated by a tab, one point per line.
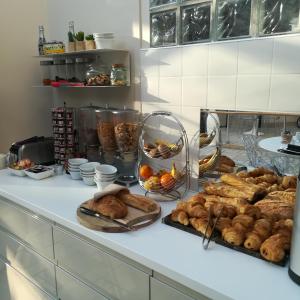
104	40
74	167
87	172
105	175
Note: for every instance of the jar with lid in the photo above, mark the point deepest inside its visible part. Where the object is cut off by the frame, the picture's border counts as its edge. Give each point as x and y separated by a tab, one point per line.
60	69
81	66
105	130
126	129
97	77
88	127
70	70
118	75
47	74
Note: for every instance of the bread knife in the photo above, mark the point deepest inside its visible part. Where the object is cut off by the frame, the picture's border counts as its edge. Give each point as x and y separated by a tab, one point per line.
92	213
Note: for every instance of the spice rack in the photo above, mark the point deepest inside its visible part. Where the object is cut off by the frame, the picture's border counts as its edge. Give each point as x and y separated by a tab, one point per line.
162	160
98	58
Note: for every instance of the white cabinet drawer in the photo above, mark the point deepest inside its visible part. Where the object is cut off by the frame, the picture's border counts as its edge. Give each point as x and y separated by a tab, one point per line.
110	276
14	286
162	291
28	227
33	266
70	288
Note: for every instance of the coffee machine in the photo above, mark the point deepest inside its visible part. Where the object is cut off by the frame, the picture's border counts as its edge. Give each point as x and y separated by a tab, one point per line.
294	269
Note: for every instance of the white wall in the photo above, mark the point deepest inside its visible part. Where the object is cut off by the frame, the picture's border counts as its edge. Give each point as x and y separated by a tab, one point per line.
256	74
118	16
24	111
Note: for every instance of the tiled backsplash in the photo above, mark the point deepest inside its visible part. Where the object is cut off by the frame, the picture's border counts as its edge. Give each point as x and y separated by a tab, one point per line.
258	74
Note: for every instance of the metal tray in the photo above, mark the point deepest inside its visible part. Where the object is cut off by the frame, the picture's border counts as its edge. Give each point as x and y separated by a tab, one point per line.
216	237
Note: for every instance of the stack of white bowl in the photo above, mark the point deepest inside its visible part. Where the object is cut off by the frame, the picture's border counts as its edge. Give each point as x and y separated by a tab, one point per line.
87	172
74	167
105	175
104	40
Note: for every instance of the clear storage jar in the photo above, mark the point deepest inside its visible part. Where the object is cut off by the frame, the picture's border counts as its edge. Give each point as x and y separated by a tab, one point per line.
118	75
46	67
60	69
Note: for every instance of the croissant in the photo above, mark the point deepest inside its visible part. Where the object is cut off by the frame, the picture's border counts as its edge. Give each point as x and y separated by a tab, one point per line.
201	225
223	223
197	198
196	210
272	249
287	223
181	205
180	216
289	182
274	187
249	210
233	236
263	228
269	178
219	209
244	220
253	241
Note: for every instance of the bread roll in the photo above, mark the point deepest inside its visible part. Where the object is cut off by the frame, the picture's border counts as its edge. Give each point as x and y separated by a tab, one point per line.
137	201
109	206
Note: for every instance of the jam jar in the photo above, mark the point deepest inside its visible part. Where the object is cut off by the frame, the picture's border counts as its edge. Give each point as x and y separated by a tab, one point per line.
118	75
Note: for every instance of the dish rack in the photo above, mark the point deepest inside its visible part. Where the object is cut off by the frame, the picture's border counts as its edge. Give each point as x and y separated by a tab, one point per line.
159	147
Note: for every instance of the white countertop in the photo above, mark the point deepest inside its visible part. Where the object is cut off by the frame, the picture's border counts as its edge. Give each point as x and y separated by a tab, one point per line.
218	273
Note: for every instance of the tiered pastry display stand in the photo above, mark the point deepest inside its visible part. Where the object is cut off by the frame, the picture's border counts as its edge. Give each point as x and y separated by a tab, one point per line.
210	149
163	142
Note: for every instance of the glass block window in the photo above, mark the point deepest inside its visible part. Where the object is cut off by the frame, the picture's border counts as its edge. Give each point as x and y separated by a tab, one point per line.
195	25
278	16
193	21
163	28
154	3
233	18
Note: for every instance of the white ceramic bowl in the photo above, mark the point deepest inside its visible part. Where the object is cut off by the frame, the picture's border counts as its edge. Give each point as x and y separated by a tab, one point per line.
89	180
106	170
87	174
77	161
89	167
75	175
20	173
110	178
102	185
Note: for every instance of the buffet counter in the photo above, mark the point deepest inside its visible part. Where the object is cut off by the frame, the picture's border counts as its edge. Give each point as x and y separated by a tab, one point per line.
216	273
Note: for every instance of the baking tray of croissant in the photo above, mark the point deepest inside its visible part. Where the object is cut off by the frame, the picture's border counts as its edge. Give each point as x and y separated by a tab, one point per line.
251	212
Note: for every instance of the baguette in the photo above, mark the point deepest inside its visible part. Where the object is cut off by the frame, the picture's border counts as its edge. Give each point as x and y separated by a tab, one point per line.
236	202
137	201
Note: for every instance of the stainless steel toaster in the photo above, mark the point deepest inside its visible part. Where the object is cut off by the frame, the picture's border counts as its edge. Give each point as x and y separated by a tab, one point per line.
40	150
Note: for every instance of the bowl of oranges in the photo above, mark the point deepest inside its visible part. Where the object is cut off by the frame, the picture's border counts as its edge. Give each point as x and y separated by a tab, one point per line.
160	181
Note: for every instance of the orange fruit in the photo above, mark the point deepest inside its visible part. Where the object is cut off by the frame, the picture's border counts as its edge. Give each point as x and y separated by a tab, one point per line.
167	181
146	172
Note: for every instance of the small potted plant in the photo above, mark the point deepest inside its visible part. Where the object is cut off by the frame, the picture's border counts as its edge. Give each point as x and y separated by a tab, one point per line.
79	41
89	42
71	44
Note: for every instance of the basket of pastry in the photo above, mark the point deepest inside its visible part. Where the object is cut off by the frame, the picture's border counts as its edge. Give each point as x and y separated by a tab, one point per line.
251	212
115	209
161	180
162	149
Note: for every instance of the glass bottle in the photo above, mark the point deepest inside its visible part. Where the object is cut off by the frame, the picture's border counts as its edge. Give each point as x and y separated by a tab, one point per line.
42	40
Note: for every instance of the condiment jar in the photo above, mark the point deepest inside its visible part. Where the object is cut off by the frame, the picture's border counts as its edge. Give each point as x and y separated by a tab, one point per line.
118	75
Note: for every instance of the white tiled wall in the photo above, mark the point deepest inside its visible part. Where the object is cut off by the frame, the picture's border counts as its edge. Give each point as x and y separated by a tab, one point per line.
258	74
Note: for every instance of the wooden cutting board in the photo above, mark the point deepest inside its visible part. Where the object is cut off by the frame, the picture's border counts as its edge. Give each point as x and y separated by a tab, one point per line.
135	218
